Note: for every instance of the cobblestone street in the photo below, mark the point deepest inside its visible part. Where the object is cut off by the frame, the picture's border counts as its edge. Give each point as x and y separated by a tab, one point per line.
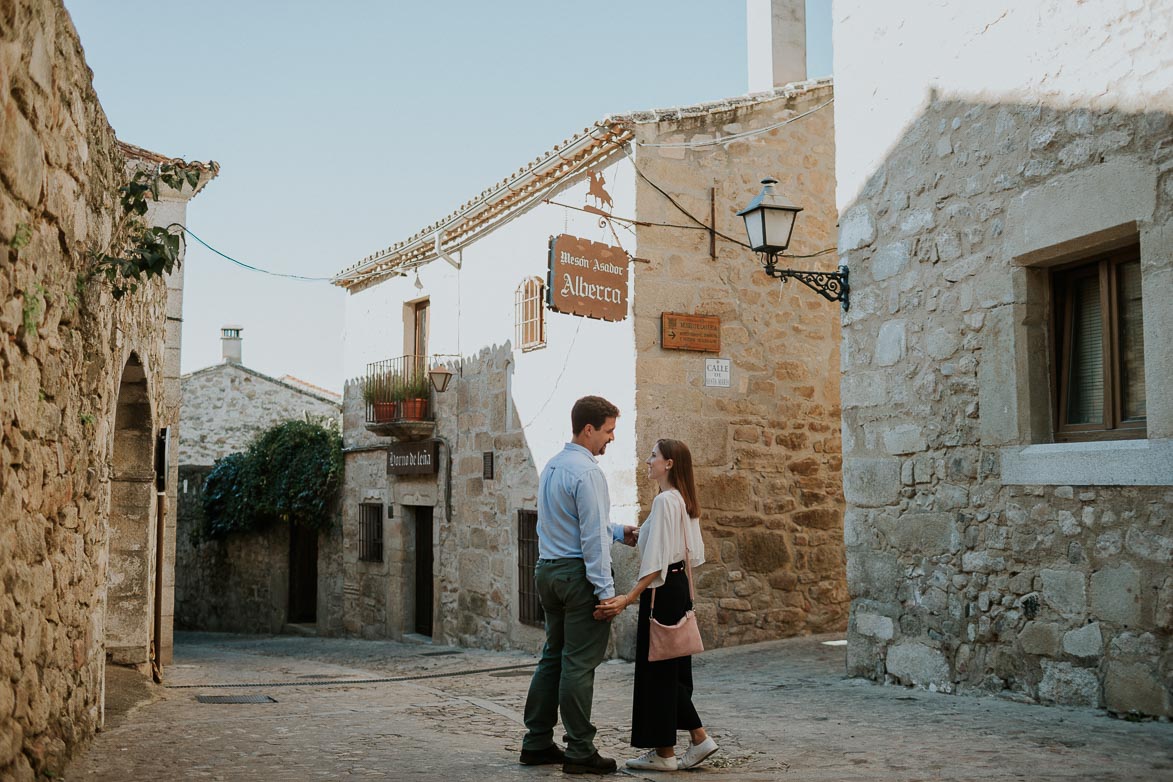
780	710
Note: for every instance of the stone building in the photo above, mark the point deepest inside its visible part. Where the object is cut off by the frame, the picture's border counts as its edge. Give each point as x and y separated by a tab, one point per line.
1005	187
254	582
88	395
447	549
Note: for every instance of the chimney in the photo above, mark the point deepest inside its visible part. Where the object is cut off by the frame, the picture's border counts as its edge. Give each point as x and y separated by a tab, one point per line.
230	343
775	42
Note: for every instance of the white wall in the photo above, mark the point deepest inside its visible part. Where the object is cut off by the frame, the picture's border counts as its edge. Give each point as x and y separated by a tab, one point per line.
473	308
890	55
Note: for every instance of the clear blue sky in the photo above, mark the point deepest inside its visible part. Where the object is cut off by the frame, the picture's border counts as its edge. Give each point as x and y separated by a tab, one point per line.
344	127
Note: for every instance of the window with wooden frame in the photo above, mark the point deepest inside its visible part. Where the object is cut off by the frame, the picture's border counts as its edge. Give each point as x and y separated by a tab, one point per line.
1099	348
530	606
530	314
370	532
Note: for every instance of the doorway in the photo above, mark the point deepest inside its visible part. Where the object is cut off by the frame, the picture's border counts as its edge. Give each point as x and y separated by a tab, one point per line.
423	570
303	575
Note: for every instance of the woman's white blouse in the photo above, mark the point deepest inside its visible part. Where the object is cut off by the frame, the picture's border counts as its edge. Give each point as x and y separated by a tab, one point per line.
661	537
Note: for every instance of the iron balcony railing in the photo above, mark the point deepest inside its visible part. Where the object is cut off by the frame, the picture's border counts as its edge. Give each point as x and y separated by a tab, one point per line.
399	389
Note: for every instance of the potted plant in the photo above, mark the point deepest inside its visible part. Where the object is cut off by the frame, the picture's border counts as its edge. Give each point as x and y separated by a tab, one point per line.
416	390
382	392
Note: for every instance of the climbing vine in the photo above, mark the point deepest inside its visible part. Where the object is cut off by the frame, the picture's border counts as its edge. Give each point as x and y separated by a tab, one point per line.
291	473
142	252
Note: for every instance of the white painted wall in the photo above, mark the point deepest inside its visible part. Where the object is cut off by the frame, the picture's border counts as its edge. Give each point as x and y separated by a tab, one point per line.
889	56
473	308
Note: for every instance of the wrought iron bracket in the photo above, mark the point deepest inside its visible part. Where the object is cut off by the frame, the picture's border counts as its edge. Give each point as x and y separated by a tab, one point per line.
832	286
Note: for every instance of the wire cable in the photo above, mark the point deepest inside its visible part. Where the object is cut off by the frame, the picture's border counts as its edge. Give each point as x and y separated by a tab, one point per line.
244	265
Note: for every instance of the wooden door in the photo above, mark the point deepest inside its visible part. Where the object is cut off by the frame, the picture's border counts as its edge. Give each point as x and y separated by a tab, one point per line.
303	574
423	570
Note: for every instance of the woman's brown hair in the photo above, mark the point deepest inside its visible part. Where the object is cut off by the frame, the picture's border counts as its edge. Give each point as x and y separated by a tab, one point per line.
680	476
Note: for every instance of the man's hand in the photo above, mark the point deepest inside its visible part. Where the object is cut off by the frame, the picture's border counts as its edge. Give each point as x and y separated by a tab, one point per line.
630	535
610	608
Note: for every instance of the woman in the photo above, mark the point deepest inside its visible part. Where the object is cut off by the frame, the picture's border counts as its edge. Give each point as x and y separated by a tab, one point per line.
662	702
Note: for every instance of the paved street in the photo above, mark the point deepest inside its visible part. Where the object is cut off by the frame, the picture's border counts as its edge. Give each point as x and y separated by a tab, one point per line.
780	710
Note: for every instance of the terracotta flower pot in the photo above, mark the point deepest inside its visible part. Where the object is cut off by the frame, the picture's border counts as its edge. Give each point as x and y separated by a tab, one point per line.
385	411
415	409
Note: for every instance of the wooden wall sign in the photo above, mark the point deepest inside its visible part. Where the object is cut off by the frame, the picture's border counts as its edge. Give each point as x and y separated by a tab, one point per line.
587	278
413	458
690	332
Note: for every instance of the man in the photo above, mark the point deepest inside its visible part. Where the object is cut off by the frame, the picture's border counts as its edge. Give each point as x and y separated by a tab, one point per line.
573	575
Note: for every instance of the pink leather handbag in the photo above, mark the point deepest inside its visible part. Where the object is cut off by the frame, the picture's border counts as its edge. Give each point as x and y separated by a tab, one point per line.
667	642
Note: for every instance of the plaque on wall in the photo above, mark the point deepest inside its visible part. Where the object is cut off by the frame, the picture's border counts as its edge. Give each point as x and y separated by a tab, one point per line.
690	332
413	458
717	372
587	278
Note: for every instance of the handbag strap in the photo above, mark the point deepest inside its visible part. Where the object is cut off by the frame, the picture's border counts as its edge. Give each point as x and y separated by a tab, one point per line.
687	565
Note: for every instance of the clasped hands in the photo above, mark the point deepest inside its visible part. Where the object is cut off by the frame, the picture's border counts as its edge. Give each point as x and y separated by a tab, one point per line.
612	607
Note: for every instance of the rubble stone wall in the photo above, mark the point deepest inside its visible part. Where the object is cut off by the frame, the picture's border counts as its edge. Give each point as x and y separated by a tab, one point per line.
980	558
65	345
767	449
226	406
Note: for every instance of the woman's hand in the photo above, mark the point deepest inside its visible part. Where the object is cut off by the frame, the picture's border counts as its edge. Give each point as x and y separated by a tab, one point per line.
610	608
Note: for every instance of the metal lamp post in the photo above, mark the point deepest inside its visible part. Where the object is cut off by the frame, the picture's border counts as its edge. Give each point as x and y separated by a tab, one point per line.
769	222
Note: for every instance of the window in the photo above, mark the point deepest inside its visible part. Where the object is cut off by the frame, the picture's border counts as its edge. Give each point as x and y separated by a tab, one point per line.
527	558
530	314
370	532
1099	345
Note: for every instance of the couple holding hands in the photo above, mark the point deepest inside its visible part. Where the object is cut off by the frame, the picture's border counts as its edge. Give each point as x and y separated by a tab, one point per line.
577	591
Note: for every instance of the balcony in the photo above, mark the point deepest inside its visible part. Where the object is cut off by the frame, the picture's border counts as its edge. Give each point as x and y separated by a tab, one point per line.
399	397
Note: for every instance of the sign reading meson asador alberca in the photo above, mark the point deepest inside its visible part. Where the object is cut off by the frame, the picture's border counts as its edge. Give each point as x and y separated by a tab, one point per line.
587	278
413	458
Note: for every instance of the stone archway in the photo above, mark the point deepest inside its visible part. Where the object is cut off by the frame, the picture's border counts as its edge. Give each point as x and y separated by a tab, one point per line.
130	571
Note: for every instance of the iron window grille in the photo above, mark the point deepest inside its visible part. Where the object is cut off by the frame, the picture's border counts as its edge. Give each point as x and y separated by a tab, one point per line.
530	314
1099	348
530	605
370	532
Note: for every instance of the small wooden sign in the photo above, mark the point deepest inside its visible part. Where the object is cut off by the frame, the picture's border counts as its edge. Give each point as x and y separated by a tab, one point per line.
587	278
413	458
690	332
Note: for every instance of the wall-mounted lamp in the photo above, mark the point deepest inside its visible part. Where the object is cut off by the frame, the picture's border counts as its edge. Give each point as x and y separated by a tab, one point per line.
440	376
769	222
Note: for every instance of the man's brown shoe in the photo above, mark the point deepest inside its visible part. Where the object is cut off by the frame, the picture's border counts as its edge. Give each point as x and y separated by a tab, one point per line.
595	764
542	757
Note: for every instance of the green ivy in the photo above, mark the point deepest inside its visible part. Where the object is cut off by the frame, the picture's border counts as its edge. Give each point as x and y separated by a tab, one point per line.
144	252
290	474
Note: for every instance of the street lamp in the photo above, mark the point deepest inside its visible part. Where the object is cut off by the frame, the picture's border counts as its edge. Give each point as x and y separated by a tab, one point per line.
769	222
440	376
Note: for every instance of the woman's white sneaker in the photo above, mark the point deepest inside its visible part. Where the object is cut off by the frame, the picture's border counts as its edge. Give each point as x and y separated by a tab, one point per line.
696	753
650	761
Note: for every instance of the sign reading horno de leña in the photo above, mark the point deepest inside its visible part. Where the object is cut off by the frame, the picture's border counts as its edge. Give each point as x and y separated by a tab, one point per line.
587	278
413	458
690	332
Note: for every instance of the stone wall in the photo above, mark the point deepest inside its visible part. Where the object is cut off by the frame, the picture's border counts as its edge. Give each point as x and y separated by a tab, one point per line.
227	405
767	449
982	558
81	398
236	585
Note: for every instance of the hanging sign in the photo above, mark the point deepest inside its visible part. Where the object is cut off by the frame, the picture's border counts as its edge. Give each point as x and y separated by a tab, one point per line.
690	332
587	278
413	458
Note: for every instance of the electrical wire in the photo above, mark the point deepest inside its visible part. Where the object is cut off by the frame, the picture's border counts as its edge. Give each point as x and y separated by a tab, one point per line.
244	265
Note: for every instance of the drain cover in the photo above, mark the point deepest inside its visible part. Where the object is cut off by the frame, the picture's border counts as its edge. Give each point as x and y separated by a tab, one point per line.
235	699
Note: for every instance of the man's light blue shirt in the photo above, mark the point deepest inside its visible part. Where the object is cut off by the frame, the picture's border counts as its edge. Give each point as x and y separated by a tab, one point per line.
574	515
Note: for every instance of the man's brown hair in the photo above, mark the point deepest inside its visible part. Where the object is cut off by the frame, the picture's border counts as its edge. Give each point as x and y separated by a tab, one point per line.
593	410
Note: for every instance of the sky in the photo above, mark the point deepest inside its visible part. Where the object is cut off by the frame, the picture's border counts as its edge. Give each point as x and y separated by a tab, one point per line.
342	128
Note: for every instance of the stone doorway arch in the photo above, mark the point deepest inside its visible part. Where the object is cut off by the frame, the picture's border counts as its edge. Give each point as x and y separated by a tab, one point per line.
130	599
